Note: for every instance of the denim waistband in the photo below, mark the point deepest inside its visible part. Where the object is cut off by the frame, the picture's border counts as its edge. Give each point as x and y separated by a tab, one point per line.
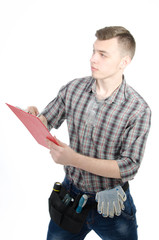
75	191
68	184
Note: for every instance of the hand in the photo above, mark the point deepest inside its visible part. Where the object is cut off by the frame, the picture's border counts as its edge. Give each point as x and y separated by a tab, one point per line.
61	154
32	110
111	202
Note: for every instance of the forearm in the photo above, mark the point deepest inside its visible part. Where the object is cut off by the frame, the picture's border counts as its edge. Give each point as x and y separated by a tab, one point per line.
64	155
101	167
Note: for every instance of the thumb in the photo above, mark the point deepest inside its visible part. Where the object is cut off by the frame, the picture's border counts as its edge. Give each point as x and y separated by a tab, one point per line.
122	194
60	143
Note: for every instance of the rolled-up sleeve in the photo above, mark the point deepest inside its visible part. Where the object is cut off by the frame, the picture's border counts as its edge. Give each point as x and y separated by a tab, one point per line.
133	145
55	111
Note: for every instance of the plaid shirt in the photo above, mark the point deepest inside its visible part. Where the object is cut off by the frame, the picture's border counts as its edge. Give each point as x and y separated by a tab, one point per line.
115	128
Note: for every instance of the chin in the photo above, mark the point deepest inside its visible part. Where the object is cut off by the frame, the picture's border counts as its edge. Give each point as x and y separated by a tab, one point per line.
95	75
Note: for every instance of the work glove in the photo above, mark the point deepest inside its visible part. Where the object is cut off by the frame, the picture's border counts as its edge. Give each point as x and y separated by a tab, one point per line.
111	202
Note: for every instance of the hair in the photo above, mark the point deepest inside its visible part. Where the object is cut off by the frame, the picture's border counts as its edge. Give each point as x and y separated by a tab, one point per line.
125	38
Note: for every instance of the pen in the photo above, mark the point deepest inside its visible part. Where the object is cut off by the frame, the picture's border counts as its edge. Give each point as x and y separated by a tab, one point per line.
28	111
81	203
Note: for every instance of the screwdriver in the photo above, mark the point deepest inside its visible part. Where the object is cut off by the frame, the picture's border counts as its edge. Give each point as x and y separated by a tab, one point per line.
81	203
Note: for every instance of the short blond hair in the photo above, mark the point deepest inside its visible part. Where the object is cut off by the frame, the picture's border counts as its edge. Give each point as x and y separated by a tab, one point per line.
125	38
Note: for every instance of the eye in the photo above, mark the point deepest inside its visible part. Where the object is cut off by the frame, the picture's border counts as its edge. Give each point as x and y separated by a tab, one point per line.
103	55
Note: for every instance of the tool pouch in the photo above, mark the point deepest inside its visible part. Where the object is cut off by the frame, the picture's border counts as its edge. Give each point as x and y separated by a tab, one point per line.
65	215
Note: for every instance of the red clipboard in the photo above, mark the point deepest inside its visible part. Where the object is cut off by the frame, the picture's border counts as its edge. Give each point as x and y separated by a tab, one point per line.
34	126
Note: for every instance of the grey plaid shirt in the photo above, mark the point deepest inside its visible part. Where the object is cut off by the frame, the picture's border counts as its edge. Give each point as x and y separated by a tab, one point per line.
113	129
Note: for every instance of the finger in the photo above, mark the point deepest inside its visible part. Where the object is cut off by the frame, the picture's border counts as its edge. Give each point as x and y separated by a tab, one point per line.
111	210
122	195
52	145
121	203
48	142
105	209
96	198
54	155
33	110
59	142
117	208
99	207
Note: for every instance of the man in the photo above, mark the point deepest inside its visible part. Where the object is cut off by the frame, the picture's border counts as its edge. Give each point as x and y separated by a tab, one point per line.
108	124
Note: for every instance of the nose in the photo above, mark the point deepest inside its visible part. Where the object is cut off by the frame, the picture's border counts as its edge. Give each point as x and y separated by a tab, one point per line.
94	58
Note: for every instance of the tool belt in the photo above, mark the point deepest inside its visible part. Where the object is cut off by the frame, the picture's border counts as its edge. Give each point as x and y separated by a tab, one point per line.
62	209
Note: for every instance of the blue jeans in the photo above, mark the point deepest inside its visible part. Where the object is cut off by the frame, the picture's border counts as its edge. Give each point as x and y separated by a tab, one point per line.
121	227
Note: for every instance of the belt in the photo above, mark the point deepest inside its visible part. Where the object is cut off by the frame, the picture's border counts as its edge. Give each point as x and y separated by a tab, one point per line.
66	183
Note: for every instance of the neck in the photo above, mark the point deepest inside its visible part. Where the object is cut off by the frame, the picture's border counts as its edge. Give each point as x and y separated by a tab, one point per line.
105	87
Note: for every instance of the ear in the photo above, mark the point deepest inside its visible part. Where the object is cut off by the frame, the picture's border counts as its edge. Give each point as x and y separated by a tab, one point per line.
125	61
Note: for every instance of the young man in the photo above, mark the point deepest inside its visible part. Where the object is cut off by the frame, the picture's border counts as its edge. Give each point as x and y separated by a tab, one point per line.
108	124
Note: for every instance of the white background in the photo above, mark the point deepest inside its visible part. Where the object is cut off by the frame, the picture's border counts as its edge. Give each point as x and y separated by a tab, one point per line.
43	45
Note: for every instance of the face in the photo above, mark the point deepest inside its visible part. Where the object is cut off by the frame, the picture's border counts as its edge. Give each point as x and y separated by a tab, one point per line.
107	61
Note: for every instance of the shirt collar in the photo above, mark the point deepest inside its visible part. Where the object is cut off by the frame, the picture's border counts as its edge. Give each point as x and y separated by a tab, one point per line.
118	96
90	85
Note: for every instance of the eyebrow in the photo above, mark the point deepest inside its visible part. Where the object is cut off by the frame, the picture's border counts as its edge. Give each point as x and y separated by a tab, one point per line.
101	51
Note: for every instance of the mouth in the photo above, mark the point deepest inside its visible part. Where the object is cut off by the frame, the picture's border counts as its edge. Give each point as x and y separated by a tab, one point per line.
93	69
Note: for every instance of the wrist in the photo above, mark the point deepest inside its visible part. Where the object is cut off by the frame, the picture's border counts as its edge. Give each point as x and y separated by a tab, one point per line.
75	159
43	119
